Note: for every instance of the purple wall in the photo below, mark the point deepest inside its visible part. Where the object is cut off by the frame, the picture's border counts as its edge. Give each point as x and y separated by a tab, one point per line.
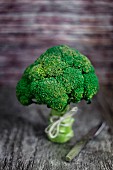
29	27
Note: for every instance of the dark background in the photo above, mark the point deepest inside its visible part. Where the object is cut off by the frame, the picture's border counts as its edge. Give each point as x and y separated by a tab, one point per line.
27	29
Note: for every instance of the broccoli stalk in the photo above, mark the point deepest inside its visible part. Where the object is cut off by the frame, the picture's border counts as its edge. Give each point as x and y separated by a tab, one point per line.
65	128
58	77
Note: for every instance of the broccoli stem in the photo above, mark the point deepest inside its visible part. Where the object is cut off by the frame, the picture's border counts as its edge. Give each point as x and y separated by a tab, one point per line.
65	128
59	113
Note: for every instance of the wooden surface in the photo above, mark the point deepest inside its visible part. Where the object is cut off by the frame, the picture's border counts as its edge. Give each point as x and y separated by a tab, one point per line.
29	27
24	146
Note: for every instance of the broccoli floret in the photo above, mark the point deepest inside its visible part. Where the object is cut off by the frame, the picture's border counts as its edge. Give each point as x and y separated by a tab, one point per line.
59	76
90	85
49	91
72	79
23	91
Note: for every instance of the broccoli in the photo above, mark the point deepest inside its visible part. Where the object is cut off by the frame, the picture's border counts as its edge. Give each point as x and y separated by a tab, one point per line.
61	75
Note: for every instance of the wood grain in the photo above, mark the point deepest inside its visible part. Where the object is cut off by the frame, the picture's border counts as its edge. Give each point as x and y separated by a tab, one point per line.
28	28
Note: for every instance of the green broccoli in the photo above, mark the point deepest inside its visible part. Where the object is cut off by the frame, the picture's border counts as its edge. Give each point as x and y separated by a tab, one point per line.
58	77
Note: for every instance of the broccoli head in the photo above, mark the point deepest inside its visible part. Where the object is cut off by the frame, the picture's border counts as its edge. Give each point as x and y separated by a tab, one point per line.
59	76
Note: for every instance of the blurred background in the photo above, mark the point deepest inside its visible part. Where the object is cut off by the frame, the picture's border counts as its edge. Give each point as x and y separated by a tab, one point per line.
29	27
